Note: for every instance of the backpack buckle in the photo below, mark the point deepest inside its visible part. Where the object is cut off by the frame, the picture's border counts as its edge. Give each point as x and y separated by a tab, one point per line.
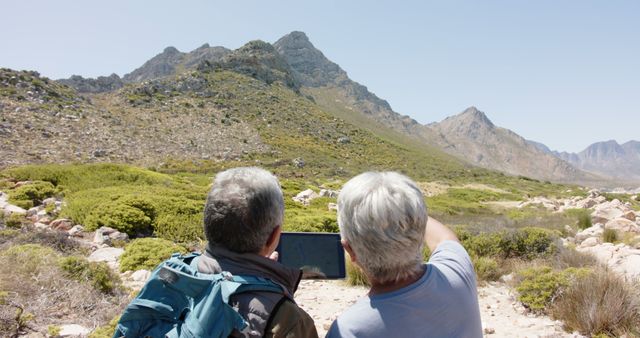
226	275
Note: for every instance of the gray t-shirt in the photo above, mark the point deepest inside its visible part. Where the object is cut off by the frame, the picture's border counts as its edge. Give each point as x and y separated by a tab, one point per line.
442	303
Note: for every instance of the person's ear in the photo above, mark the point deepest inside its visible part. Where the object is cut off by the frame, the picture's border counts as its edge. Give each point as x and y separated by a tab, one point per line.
272	241
349	250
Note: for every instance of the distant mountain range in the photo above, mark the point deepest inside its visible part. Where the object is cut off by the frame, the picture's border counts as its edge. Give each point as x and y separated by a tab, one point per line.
607	158
294	62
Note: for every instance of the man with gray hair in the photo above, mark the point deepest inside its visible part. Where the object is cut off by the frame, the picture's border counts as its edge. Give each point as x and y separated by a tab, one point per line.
242	222
384	226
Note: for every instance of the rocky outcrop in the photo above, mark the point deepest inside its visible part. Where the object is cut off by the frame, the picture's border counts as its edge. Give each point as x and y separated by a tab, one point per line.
100	84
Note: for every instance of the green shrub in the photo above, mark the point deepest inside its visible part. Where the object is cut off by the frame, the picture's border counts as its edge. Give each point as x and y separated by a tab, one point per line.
610	236
539	286
15	221
487	268
484	244
582	217
53	330
528	243
121	217
31	194
180	228
98	274
355	275
147	253
600	303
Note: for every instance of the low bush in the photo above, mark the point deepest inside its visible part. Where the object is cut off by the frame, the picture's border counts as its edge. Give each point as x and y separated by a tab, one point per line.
122	217
582	217
539	286
28	259
32	194
610	236
147	253
600	303
487	268
15	221
97	274
566	257
528	243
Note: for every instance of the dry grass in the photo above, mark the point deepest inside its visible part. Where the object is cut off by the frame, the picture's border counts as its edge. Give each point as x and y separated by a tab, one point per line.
600	303
571	258
31	280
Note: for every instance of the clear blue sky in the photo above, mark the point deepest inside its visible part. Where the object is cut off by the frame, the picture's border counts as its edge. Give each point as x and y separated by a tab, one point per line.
565	73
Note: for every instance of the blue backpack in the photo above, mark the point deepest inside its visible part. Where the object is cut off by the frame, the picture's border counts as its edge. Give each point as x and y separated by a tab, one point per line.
178	301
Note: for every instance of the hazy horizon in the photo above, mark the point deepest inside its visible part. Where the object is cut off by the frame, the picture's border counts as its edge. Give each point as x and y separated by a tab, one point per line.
563	74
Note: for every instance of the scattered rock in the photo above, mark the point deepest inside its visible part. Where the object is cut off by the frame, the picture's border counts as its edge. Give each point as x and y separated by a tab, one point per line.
76	231
108	255
47	201
594	231
104	235
306	196
329	193
332	207
32	211
73	330
623	224
630	215
140	275
61	224
591	241
298	162
13	209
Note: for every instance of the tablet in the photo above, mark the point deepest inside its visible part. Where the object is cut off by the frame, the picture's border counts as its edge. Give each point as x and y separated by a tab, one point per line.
318	255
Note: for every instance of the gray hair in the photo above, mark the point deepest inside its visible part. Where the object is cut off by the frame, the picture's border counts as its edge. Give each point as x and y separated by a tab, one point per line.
382	215
243	207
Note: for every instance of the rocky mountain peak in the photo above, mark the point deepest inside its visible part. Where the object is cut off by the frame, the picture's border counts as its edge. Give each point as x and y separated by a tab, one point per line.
171	50
472	114
311	67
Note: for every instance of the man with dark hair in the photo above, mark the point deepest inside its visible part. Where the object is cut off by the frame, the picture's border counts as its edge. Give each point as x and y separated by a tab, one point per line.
242	223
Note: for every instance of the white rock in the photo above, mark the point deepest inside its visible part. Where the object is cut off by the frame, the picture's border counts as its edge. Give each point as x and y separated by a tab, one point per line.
13	209
109	255
630	215
623	224
603	215
594	231
73	330
332	207
76	230
329	193
32	211
591	241
140	275
306	196
47	201
40	226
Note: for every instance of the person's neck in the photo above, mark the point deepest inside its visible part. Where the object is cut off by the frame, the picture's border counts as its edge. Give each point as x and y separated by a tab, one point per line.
380	288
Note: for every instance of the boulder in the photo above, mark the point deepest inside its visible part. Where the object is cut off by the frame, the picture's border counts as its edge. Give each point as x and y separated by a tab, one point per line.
104	235
140	275
305	197
47	201
40	226
76	231
623	224
603	215
594	231
630	215
108	255
332	207
13	209
586	203
329	193
21	183
119	236
61	224
32	211
601	199
73	330
591	241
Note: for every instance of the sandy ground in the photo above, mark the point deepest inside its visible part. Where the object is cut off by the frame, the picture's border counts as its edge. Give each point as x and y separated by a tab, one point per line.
502	315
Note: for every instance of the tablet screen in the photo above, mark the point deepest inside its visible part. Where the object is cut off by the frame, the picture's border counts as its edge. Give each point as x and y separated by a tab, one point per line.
319	255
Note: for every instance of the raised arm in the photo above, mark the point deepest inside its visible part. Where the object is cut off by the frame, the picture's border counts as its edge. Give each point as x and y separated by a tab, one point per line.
437	233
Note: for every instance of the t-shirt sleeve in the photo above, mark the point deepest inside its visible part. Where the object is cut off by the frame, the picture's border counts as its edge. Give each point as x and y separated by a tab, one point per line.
452	256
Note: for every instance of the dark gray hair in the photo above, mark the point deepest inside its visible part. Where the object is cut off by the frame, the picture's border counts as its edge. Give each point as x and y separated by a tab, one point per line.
382	215
243	207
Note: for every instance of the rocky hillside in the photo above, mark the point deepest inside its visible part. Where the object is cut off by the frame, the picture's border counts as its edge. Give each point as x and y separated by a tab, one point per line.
472	136
621	161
